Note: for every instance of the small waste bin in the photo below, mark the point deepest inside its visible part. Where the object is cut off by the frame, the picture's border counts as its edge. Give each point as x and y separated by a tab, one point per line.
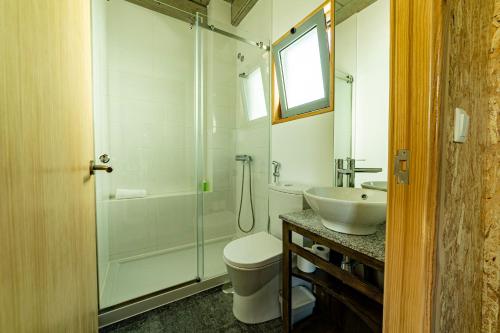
303	302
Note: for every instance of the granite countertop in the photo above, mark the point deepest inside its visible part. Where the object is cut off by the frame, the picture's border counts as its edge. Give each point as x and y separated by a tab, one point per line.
370	245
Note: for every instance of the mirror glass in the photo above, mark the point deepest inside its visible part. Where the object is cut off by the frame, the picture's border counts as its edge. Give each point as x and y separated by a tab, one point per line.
253	96
362	37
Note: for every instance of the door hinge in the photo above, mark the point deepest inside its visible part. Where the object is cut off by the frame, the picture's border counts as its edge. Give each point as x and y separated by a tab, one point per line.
402	166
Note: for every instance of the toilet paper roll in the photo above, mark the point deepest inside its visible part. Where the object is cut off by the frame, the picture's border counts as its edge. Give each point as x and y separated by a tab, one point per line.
305	265
321	251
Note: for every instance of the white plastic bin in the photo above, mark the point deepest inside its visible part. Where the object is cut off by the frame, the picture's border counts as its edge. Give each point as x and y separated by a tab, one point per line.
302	303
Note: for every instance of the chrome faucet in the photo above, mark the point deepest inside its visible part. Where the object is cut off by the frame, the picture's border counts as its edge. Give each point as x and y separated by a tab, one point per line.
276	171
350	170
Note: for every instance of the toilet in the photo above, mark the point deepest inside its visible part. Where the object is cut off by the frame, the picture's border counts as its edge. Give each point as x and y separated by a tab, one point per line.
254	262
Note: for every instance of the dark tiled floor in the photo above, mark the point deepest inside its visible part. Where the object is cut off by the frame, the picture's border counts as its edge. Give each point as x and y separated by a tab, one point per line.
209	311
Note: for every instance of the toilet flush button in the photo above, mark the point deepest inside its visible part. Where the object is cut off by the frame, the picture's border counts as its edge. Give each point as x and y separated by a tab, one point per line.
461	125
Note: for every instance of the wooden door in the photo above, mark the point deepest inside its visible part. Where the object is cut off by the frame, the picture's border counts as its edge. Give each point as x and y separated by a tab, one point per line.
48	280
416	34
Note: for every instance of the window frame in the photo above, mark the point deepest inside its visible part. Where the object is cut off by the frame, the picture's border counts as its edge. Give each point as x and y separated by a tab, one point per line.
278	106
318	22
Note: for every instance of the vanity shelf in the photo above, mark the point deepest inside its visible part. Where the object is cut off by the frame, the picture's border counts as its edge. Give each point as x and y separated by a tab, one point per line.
362	298
366	309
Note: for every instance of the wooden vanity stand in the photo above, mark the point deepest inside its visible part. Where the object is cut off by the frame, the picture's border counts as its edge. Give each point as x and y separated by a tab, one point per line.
362	298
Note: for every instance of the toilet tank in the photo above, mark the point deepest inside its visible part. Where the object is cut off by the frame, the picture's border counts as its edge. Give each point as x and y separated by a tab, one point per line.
284	198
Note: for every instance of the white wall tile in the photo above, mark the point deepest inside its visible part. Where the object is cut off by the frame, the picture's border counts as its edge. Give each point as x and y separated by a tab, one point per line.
175	221
131	227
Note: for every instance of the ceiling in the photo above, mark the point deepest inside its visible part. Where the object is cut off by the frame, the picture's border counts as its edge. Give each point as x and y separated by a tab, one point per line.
341	3
201	2
240	8
346	8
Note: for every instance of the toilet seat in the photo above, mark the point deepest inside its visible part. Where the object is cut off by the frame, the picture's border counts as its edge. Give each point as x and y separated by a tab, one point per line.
253	251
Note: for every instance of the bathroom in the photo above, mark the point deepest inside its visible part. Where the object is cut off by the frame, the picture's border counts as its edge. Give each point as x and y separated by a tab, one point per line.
151	236
255	166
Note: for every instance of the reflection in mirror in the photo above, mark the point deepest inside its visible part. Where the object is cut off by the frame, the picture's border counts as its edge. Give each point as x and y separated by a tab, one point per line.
253	95
362	35
343	115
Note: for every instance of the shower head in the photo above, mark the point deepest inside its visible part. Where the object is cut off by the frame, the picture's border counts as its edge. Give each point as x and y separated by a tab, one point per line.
243	75
243	158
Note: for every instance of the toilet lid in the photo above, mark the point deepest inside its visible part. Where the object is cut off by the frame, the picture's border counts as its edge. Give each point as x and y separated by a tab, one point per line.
253	251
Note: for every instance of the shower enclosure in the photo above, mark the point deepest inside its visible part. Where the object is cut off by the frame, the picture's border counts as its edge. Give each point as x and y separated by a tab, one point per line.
171	111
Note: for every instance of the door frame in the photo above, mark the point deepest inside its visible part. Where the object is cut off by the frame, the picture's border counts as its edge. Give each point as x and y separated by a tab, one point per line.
415	102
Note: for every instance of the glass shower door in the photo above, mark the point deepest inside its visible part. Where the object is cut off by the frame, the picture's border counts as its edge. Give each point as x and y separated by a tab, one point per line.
233	104
144	114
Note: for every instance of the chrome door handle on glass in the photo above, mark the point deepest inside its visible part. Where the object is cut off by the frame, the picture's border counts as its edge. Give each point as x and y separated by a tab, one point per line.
104	158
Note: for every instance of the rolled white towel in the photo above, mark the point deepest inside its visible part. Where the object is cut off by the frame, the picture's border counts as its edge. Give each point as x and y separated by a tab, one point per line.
122	193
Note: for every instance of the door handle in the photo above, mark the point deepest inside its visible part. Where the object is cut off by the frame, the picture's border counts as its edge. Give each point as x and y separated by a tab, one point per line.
99	167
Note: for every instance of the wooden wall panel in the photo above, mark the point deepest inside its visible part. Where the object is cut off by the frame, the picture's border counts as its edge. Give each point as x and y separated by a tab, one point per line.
460	235
491	192
48	280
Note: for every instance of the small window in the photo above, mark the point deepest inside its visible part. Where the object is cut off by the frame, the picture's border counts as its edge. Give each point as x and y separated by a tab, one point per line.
253	96
302	61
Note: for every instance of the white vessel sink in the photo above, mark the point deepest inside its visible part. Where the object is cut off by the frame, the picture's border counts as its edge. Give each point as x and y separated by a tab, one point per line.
376	185
353	211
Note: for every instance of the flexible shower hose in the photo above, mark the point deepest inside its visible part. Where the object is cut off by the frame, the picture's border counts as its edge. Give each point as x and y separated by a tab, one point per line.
241	198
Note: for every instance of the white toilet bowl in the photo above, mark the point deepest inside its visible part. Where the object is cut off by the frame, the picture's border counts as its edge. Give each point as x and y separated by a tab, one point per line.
254	261
254	264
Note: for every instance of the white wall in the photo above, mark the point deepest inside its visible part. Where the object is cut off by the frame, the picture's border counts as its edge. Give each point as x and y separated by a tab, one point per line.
304	147
346	45
362	50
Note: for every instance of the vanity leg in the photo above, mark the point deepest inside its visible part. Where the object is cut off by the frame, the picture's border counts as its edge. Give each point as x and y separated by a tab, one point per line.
287	279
